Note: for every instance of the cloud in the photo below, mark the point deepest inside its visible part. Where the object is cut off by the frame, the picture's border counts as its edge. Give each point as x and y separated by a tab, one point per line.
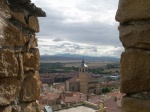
57	40
87	26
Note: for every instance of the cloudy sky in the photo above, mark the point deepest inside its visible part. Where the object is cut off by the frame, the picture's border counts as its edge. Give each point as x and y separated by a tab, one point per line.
79	27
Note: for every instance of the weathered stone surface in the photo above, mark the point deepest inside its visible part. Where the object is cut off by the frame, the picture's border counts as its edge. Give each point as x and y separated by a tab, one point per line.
18	54
20	66
13	36
34	23
34	44
9	88
135	71
31	61
6	109
17	15
20	16
135	36
132	10
135	105
16	108
30	107
8	63
16	37
30	87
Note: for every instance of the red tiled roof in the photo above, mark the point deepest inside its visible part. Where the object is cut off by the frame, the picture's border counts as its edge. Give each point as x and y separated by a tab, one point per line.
74	79
116	94
111	105
77	96
51	96
71	99
96	99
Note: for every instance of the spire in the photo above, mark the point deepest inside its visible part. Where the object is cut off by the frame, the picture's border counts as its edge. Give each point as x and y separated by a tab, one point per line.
83	63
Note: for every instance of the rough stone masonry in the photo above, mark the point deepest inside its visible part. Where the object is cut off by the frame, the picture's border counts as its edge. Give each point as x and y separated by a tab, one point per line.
134	18
19	56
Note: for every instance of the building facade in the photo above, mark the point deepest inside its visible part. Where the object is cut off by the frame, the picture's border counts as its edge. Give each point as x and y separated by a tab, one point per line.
84	83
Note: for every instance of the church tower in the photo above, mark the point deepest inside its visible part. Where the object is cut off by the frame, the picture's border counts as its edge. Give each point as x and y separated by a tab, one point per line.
83	70
88	84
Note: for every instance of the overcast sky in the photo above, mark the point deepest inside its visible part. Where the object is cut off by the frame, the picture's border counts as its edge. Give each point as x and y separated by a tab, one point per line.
79	27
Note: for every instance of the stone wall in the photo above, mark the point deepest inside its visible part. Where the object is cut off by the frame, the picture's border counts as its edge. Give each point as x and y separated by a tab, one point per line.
19	56
134	18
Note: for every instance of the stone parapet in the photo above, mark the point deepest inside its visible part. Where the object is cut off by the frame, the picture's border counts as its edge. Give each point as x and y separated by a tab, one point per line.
134	18
19	56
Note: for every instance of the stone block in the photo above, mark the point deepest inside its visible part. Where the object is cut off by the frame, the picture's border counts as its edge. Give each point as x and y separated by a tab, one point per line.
135	105
135	36
31	61
133	10
9	88
135	71
30	90
34	23
14	36
30	107
8	63
20	16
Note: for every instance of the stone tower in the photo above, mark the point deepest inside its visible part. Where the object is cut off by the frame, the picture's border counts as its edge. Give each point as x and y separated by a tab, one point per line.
83	77
88	84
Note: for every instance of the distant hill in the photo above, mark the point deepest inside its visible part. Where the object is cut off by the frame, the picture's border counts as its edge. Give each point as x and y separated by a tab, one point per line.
76	57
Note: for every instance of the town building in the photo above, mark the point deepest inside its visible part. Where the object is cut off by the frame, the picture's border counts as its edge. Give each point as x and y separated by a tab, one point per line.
85	83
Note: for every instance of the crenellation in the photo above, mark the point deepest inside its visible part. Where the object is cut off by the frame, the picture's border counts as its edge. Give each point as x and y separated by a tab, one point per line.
19	56
134	18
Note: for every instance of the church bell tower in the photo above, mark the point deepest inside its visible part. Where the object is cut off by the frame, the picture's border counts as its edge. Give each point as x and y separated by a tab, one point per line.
83	68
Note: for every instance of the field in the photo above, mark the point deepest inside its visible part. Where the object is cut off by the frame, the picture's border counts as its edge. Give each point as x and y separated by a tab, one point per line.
77	63
64	66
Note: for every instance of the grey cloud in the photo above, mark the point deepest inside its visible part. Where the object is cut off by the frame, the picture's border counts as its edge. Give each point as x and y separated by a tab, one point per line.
57	40
91	33
98	5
